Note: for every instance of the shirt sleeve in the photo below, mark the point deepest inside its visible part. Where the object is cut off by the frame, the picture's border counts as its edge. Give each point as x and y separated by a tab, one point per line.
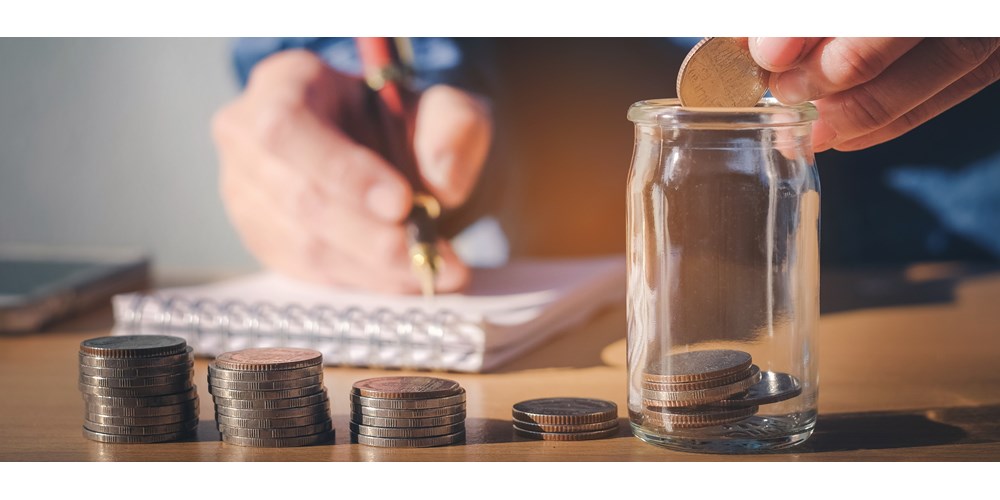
462	63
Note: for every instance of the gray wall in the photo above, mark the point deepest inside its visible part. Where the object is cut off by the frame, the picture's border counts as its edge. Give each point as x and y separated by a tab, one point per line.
105	142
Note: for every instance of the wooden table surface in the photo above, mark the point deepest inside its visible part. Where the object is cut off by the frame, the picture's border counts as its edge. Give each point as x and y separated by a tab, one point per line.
909	370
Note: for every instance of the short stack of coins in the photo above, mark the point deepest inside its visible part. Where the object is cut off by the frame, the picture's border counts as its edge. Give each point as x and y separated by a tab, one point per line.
710	387
270	397
138	389
407	412
565	419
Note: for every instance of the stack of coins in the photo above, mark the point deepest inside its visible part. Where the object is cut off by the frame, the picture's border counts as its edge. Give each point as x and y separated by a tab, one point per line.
407	412
270	397
565	419
711	387
138	389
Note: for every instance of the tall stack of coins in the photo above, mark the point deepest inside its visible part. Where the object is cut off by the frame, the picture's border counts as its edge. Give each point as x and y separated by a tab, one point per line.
565	419
270	397
138	389
407	412
711	387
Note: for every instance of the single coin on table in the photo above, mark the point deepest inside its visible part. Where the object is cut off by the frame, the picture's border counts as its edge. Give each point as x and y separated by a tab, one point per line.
565	411
719	72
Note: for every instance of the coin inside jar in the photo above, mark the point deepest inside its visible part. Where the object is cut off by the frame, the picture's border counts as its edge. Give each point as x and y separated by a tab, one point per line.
697	366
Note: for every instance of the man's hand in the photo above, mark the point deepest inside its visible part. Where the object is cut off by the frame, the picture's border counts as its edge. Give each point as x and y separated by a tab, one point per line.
307	195
871	90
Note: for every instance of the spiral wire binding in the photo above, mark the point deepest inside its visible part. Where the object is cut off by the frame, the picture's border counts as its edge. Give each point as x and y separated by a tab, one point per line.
352	336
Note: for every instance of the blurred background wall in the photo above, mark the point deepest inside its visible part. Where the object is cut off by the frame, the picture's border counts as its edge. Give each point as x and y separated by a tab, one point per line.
105	142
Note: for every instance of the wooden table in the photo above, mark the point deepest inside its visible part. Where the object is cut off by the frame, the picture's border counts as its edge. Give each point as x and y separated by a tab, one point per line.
915	378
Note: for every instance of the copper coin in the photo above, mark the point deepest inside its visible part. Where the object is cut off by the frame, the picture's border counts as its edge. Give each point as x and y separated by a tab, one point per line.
278	394
143	411
773	387
260	376
696	417
275	432
719	72
701	384
151	371
409	404
697	366
103	362
268	359
136	382
140	421
314	439
408	422
133	346
136	392
405	387
271	385
360	410
273	423
565	411
699	397
406	432
301	411
165	400
450	439
566	436
596	426
145	430
271	404
128	439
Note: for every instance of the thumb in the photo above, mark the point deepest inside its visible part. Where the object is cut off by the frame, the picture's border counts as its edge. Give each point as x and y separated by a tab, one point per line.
781	54
451	140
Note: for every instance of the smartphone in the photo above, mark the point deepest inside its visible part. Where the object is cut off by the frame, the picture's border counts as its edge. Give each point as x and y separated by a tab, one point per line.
39	285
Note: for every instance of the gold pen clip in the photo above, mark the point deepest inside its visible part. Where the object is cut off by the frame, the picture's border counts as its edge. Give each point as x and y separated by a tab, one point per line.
422	231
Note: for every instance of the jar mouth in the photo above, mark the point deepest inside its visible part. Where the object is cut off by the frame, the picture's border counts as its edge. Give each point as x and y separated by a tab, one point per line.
768	113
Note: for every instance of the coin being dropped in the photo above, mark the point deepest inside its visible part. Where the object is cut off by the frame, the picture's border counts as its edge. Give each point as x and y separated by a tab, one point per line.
565	411
719	72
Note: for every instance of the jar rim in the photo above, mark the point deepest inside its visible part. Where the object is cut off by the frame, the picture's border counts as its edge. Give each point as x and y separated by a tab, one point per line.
768	113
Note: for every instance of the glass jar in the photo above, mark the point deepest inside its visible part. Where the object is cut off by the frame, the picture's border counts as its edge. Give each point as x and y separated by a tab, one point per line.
723	276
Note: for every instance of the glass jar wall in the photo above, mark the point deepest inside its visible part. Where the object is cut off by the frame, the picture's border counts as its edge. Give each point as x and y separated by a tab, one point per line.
723	276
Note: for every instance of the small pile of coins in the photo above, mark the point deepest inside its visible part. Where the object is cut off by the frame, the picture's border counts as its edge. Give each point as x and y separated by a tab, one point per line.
711	387
270	397
138	389
407	412
565	419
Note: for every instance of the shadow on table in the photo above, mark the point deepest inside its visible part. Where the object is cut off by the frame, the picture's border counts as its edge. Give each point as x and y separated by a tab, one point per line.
867	288
908	429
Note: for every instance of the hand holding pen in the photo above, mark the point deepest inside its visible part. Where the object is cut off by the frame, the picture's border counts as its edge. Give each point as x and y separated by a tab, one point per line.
307	191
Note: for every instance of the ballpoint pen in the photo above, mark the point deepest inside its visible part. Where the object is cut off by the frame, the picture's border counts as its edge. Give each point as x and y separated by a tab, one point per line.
386	72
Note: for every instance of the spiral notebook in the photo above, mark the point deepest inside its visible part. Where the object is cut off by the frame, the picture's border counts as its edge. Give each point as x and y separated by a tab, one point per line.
504	312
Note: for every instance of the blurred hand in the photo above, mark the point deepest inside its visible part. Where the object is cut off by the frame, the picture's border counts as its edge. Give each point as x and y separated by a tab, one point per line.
871	90
311	200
